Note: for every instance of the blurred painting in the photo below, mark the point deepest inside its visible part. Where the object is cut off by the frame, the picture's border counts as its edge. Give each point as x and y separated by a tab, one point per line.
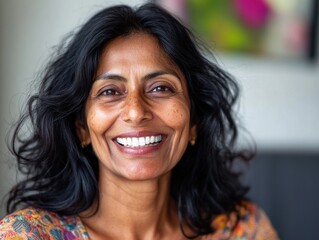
281	28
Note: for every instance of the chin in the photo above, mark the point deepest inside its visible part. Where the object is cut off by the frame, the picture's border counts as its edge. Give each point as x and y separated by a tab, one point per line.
143	174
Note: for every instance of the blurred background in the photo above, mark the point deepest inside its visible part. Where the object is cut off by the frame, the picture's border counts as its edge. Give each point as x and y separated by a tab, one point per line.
270	46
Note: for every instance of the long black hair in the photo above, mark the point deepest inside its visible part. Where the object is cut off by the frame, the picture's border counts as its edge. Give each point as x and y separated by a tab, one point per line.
61	176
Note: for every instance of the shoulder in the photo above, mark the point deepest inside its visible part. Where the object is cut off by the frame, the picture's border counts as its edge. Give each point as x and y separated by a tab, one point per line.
250	223
32	223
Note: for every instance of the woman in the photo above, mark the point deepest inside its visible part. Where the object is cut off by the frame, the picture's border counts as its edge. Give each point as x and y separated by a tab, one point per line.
132	138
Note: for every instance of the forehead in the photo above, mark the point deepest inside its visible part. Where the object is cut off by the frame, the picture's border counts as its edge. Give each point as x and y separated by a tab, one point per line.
136	48
134	41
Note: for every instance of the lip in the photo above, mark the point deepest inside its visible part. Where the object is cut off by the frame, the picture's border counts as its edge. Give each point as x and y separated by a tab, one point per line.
139	150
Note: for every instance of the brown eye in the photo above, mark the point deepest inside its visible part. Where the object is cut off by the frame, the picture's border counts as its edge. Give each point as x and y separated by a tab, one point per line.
110	92
162	89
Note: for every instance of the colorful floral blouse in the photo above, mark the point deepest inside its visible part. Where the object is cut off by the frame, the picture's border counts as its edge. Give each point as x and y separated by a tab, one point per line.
36	224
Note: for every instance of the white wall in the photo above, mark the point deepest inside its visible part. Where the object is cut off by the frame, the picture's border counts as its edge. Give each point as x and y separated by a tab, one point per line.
280	98
280	101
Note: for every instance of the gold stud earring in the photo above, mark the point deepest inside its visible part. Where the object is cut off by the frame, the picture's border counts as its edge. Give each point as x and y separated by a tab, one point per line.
192	141
83	144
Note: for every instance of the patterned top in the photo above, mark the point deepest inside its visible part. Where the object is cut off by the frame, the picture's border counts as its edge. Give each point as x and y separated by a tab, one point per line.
34	224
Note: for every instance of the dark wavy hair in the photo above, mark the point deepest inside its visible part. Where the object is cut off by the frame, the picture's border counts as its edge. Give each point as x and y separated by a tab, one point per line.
62	177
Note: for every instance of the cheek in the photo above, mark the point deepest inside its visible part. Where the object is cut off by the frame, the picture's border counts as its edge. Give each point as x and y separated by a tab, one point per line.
98	120
177	115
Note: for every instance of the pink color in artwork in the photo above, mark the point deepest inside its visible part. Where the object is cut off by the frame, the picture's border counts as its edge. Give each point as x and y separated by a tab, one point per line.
254	13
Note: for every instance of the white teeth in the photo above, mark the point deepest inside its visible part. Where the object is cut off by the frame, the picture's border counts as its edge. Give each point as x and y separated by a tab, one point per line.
139	142
135	142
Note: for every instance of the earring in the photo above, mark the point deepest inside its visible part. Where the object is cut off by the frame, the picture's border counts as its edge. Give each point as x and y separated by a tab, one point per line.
83	144
192	141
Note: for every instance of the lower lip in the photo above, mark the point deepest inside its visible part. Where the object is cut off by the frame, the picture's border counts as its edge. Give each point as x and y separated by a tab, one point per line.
139	150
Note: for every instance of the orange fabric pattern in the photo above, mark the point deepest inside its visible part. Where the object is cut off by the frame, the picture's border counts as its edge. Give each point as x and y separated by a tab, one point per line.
252	224
36	224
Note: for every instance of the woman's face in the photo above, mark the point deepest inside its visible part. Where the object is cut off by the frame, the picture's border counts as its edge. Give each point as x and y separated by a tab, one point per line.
138	110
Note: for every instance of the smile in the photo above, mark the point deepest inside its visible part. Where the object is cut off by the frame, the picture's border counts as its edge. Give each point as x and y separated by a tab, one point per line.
135	142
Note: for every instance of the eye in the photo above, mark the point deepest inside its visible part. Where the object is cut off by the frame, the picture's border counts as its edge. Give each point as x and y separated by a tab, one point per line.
162	88
110	92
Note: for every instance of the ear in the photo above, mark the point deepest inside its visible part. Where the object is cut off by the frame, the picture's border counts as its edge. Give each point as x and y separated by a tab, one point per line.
193	131
82	132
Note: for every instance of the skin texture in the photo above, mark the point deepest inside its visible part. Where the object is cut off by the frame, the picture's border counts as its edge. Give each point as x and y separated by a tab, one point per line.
138	92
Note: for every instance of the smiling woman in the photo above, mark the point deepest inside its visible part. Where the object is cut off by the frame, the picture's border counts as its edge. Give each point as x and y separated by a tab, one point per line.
132	138
139	97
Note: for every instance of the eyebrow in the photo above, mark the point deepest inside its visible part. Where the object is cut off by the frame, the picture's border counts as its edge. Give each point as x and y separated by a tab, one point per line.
112	76
106	76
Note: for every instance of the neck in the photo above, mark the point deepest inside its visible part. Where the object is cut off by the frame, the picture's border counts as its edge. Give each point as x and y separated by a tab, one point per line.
134	210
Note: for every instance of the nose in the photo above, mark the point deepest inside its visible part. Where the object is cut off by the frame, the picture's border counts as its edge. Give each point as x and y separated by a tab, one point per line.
136	110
